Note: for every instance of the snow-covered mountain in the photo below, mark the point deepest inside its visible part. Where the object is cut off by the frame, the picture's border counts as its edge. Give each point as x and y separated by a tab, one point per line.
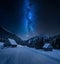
5	34
34	42
39	41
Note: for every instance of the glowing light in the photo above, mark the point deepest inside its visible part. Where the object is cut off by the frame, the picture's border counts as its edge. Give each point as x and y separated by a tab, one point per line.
28	17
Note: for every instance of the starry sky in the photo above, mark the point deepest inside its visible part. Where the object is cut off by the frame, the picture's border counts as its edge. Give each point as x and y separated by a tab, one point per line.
47	16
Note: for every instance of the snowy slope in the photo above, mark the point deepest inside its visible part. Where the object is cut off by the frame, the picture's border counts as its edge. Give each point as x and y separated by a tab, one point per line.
25	55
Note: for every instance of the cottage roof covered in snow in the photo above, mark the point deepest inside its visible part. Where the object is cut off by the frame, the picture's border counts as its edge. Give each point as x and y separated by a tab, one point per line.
47	45
1	44
13	42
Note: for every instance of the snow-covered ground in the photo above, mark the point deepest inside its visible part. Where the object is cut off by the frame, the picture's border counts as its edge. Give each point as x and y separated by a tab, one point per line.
26	55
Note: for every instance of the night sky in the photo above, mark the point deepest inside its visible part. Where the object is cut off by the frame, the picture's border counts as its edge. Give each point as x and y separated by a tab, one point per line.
47	14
